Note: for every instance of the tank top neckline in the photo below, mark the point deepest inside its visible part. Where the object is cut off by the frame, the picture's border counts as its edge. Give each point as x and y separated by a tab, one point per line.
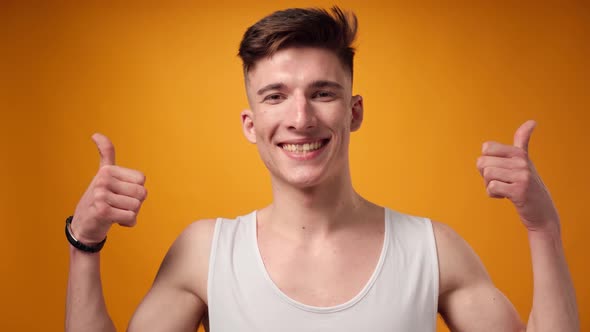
252	220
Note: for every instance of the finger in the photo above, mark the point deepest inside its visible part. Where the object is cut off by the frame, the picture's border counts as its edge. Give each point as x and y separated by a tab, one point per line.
501	174
122	202
498	189
125	174
129	223
523	135
508	163
112	214
125	217
105	149
128	189
496	149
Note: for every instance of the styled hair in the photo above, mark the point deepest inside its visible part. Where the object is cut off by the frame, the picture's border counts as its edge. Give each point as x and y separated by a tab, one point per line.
334	30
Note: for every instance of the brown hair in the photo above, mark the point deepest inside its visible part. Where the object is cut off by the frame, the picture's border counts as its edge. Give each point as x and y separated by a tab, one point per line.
294	27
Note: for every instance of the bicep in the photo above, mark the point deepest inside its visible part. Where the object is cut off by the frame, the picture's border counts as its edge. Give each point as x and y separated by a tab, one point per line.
479	307
177	299
168	309
468	300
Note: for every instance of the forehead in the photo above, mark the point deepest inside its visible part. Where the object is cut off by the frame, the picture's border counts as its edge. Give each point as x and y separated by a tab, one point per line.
298	66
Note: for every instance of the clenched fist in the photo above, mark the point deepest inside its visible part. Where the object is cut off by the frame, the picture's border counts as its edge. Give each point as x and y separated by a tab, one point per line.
115	195
509	173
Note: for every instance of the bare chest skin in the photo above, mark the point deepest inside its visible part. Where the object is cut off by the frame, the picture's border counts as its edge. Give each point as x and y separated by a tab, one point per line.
323	271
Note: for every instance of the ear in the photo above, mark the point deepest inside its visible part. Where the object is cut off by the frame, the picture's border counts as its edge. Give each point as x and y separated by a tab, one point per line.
248	125
357	113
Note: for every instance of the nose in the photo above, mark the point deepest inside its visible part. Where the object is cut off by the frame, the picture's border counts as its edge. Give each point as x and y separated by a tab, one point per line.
301	116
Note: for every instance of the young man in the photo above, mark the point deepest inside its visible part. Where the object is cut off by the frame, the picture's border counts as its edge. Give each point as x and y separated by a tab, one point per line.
320	257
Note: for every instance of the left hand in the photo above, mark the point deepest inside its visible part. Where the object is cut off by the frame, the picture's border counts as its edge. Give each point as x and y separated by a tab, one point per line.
509	173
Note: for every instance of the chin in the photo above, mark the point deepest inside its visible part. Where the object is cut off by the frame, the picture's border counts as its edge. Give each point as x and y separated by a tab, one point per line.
303	181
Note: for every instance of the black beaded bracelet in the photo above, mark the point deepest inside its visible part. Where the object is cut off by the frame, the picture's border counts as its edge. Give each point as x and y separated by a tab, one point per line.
79	245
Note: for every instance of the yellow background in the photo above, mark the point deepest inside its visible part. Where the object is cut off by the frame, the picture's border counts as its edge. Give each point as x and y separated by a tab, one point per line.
164	83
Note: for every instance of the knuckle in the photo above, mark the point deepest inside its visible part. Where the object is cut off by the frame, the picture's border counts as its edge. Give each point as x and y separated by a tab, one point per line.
125	217
132	217
495	187
106	170
141	177
131	222
490	191
141	193
136	205
102	181
480	162
521	163
492	185
100	195
485	147
520	153
494	190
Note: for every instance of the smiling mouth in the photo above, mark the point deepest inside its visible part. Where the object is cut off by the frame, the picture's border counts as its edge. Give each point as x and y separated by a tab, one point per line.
304	147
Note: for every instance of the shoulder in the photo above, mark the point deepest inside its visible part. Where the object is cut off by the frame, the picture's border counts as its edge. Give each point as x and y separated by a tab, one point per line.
195	239
186	263
449	242
197	233
459	265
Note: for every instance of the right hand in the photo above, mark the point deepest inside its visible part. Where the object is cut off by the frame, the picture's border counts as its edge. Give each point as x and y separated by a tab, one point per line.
115	195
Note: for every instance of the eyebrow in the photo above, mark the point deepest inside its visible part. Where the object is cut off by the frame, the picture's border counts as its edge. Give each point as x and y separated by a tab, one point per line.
314	84
326	84
272	86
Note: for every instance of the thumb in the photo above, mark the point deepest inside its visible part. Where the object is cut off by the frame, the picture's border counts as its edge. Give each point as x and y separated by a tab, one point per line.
523	135
105	149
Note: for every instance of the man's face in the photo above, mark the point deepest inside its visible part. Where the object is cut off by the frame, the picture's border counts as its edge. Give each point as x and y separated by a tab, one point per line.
302	114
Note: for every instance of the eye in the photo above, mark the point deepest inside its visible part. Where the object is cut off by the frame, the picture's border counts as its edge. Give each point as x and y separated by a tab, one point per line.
274	98
324	95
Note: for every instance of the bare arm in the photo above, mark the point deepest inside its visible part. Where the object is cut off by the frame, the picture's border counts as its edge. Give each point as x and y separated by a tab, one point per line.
176	301
469	302
115	193
554	299
178	297
85	306
509	173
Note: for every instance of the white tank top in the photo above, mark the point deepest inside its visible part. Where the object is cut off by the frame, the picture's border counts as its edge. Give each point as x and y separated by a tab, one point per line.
401	295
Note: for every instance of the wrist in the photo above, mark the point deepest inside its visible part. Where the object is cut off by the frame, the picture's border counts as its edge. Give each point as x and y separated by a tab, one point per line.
548	228
79	235
79	254
76	243
549	235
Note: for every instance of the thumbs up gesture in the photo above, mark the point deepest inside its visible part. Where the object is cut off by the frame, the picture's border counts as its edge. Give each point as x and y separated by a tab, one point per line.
509	173
115	195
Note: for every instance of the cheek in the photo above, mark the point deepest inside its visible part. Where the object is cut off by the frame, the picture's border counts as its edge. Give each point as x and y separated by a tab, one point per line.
338	118
266	124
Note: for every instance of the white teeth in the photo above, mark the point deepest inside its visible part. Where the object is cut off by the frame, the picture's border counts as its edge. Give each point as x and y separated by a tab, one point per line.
306	147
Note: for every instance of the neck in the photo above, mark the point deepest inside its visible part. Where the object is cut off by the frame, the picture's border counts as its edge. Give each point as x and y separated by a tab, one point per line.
317	210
